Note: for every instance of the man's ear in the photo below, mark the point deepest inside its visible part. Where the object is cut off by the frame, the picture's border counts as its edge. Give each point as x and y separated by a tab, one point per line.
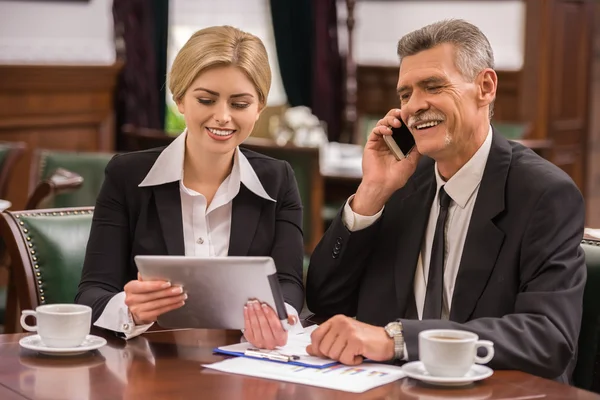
487	82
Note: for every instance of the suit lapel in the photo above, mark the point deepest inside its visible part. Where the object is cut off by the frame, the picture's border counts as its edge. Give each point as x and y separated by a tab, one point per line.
484	239
245	216
416	207
168	206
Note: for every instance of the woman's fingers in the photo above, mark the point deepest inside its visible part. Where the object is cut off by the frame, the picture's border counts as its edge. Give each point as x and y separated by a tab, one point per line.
139	287
152	315
279	334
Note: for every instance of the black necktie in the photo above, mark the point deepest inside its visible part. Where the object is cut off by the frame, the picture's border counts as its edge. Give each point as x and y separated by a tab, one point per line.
435	283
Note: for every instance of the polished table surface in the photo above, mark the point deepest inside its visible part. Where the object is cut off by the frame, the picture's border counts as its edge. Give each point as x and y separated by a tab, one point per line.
168	365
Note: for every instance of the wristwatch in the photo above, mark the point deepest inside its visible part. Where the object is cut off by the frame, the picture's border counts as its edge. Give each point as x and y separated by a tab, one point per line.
395	331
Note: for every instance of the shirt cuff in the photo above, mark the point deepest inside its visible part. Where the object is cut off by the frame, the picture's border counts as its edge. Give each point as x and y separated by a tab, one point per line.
295	329
355	222
116	317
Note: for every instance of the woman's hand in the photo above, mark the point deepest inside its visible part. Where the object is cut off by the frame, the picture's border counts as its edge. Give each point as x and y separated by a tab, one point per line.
262	327
149	299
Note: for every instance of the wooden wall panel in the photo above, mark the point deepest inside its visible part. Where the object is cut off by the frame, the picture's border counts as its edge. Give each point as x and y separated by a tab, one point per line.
592	196
55	107
556	79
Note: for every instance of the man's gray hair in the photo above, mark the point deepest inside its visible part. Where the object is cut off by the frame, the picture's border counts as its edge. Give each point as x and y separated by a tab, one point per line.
473	50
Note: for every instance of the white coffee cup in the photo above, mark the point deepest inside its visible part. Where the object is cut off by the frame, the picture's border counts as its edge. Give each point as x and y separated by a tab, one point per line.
60	325
450	352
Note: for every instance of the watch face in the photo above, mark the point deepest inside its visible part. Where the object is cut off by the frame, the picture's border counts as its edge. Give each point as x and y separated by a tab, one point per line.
393	329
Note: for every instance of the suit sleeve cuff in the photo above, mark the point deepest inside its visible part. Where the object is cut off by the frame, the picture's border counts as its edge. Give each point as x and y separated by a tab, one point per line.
116	317
355	222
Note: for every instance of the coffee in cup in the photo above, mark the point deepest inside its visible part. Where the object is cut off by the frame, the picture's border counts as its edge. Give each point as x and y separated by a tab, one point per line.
450	352
60	325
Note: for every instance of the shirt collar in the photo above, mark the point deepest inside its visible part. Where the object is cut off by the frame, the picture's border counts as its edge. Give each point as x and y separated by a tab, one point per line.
168	167
462	185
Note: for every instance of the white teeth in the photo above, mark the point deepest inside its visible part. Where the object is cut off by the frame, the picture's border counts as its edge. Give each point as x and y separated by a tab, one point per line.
220	132
428	124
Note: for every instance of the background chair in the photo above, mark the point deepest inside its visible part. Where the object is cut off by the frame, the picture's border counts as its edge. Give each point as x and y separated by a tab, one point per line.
61	181
145	138
89	165
305	163
10	153
47	249
587	371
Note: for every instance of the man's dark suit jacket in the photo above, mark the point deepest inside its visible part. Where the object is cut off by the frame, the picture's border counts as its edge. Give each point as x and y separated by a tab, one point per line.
131	220
521	277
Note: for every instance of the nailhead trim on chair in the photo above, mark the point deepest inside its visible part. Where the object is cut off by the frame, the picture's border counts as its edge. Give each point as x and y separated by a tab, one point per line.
591	242
30	243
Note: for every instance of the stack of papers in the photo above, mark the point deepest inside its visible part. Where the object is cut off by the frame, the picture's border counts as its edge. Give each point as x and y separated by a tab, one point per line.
307	370
339	377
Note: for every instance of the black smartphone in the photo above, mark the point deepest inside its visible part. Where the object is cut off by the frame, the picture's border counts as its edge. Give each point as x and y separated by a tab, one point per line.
400	142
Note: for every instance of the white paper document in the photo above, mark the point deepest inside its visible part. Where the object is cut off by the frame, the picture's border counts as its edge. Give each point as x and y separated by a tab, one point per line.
339	377
296	346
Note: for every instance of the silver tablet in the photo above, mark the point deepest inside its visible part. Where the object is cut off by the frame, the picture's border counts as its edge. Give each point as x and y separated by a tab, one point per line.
217	288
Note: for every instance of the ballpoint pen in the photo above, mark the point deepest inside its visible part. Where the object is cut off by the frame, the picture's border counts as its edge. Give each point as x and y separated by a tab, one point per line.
270	355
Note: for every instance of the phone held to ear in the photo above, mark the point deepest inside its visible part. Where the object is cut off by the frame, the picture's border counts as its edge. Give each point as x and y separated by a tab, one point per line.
400	142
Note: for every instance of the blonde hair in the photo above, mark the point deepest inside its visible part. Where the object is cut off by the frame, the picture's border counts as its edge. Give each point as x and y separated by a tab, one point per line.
220	46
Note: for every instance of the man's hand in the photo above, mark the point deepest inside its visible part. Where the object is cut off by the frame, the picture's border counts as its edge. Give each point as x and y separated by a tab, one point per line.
349	341
382	173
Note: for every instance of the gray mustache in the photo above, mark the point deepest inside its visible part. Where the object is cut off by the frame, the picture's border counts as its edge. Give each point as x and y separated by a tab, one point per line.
429	116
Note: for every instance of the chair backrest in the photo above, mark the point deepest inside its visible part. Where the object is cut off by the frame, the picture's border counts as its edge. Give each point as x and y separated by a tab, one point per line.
61	181
47	249
587	370
10	153
305	163
89	165
145	138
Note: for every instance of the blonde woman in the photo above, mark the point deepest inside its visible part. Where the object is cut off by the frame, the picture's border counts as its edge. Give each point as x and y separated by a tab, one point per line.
200	196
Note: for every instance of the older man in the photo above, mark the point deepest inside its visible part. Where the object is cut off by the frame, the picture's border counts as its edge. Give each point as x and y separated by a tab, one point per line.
470	232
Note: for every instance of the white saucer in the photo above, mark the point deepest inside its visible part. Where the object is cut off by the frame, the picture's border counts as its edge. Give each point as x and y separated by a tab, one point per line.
416	370
34	342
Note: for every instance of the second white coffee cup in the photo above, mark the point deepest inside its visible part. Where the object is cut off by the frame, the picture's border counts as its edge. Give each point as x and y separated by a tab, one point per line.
450	352
60	325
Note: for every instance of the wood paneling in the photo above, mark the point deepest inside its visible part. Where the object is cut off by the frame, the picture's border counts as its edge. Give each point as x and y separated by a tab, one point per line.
55	107
555	79
592	196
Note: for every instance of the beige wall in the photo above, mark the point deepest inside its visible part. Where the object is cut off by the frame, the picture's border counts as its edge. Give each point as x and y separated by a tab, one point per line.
379	25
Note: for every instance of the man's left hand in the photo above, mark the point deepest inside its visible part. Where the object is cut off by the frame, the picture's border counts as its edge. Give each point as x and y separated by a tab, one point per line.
349	341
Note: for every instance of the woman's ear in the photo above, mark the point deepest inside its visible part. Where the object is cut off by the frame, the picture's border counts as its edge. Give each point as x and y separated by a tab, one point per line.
488	83
180	106
261	108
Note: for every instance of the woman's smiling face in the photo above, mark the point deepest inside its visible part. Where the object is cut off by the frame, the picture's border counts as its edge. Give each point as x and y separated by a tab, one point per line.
220	109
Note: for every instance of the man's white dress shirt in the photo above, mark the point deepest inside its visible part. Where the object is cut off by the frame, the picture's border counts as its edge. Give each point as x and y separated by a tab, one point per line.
462	189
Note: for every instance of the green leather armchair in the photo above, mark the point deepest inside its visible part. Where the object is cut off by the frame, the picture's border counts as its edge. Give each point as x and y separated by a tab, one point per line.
47	249
587	370
90	166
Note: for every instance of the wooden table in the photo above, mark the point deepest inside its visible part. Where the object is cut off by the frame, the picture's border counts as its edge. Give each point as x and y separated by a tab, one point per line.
168	365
